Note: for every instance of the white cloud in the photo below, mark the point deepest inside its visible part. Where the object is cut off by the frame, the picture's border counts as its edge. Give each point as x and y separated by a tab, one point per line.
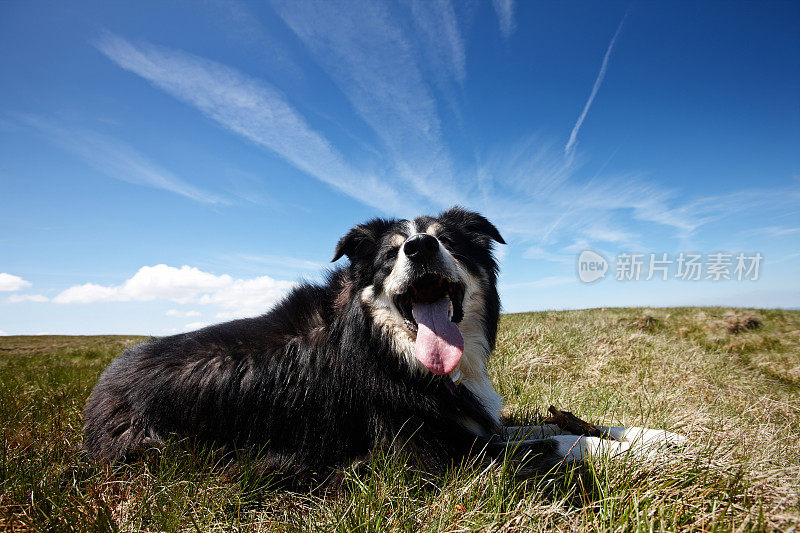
250	108
505	16
117	159
550	281
10	282
179	313
248	294
195	325
181	285
230	315
184	285
3	333
19	298
573	136
88	293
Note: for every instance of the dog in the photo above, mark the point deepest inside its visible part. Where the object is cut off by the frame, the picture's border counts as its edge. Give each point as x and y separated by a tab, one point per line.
389	352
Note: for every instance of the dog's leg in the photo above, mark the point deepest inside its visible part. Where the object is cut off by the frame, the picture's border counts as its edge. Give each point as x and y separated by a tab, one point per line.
637	436
579	447
574	439
520	433
559	448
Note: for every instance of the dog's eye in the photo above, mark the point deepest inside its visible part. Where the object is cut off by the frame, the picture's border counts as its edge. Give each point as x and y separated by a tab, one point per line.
392	252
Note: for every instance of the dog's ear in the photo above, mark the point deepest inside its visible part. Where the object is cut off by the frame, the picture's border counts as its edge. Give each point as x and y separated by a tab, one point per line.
472	222
361	240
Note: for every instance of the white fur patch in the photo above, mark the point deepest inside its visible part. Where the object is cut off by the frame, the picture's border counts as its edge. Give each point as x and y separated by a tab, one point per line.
388	318
434	229
578	448
644	436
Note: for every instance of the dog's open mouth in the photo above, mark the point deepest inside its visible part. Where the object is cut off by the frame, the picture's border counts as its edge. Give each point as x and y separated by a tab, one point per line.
432	306
428	289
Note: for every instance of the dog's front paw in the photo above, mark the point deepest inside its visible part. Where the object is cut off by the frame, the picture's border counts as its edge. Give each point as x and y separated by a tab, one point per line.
578	447
640	441
637	436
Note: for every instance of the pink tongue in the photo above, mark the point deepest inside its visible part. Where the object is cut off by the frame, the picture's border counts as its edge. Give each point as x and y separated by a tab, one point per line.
439	343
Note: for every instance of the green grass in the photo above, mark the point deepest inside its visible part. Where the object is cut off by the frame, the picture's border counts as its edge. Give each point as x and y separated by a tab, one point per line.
728	379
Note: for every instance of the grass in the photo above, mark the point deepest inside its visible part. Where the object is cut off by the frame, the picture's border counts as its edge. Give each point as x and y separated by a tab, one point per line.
729	379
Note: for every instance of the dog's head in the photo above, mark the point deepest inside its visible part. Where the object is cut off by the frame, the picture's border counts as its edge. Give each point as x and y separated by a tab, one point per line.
430	284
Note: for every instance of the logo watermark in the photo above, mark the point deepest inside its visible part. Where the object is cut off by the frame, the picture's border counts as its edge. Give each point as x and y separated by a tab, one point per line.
591	266
685	266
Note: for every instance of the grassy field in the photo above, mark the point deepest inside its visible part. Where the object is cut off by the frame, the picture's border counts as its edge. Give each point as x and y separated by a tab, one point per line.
728	379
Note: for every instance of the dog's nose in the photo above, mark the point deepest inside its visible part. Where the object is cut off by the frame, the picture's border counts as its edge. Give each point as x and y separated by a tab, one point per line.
420	247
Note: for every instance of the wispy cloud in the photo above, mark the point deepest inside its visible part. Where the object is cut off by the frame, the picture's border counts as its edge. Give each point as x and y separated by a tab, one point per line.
444	44
280	260
549	281
538	199
573	136
21	298
243	26
787	257
601	232
773	231
505	16
117	159
539	253
369	57
709	209
238	19
250	108
531	190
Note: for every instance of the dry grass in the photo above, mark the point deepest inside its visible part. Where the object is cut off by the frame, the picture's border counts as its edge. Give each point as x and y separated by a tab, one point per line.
727	378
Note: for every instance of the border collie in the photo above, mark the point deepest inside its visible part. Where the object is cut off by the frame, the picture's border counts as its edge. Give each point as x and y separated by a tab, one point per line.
390	352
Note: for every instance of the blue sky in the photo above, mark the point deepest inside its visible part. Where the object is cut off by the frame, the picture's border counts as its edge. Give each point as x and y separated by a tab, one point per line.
167	165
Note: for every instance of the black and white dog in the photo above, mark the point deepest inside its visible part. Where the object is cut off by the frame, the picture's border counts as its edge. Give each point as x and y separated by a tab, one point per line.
390	352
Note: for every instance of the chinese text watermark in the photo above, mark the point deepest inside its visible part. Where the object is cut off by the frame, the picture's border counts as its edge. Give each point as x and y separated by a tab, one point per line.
685	266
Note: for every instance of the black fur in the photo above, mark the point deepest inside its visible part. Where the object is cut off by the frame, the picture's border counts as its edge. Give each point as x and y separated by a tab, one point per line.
312	384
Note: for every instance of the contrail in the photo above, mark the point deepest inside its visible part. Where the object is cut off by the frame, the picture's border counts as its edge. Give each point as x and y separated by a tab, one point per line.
597	82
